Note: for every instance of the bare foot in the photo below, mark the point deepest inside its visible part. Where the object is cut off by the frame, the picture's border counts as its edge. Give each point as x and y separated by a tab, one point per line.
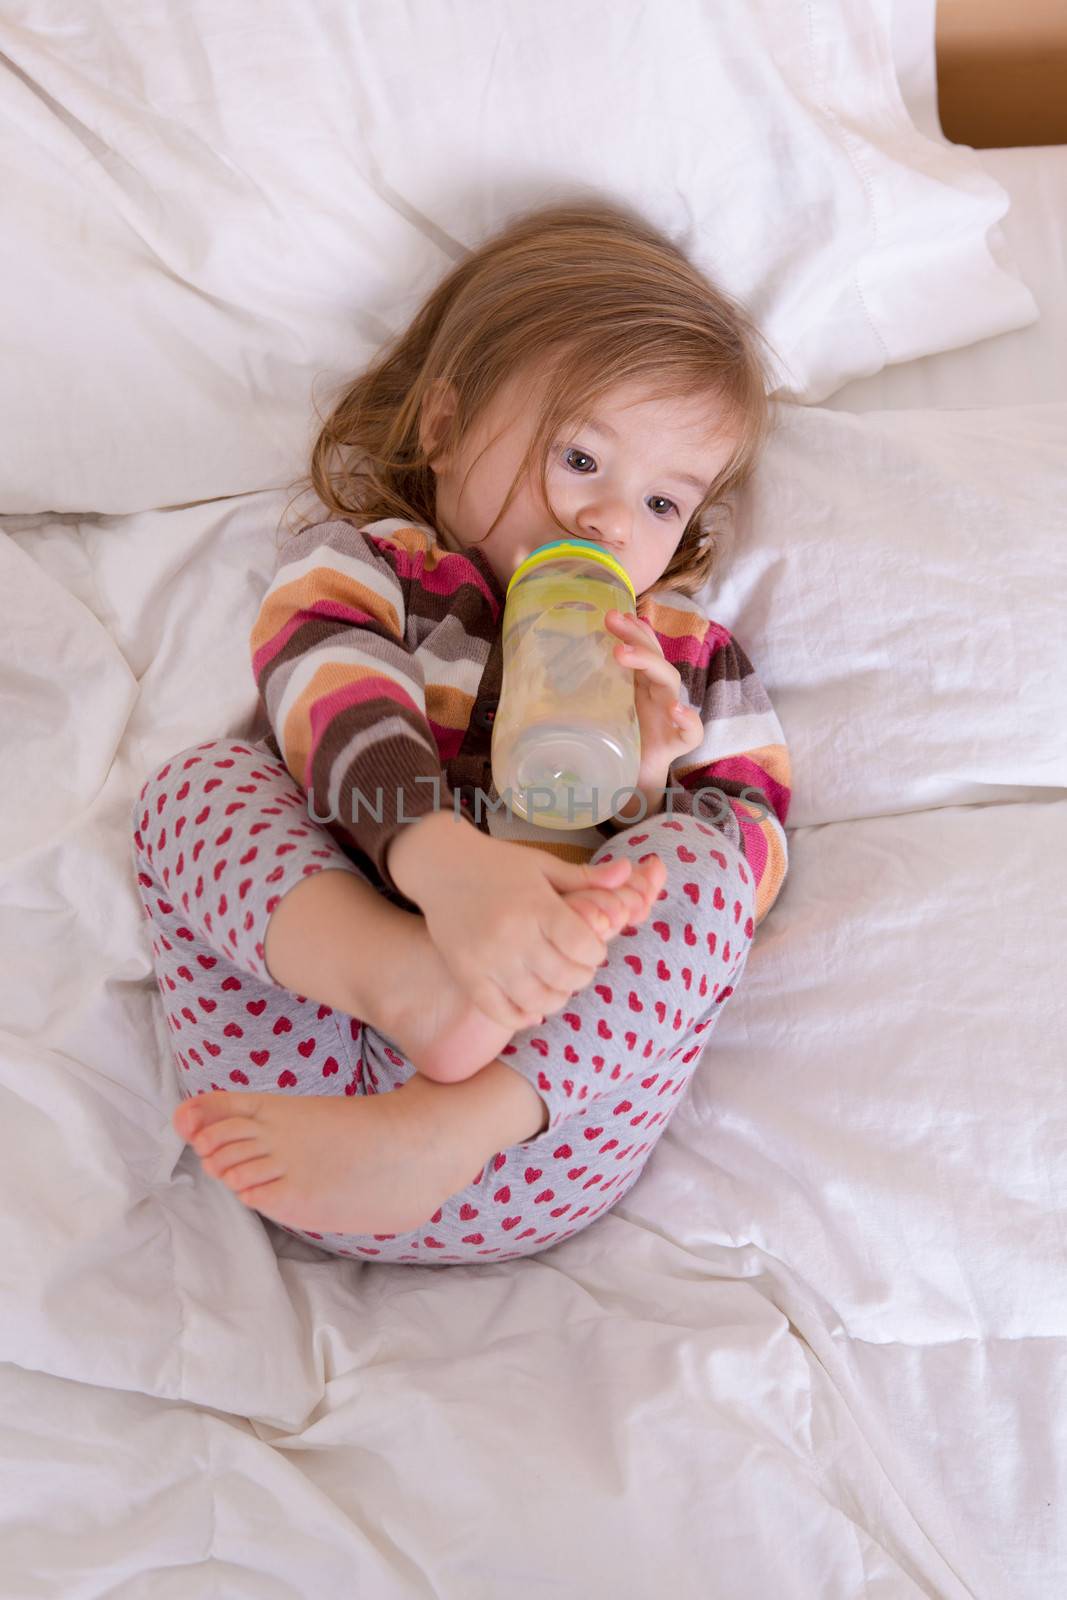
328	1163
371	1164
446	1037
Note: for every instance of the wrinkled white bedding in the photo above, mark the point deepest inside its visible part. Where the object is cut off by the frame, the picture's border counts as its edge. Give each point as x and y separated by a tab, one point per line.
222	208
821	1348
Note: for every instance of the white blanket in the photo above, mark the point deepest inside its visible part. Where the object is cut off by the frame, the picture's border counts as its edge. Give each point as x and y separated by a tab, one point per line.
817	1346
820	1348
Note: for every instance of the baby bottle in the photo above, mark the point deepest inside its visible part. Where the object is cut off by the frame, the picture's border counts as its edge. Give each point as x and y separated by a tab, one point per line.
566	737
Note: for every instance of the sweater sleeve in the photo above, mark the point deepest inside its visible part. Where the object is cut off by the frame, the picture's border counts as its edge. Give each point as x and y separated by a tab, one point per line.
342	690
738	778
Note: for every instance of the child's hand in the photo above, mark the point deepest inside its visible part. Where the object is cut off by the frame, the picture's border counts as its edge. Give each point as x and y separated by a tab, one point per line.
669	728
498	913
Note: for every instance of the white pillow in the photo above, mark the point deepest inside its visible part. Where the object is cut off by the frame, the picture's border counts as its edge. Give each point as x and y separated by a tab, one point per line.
898	578
208	208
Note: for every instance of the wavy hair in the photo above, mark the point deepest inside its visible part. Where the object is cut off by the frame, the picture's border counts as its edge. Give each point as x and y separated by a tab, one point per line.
595	295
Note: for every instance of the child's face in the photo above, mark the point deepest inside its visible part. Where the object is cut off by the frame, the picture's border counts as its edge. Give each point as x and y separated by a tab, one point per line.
623	487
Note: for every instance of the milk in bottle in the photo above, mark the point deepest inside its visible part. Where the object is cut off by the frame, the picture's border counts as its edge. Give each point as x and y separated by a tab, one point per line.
566	740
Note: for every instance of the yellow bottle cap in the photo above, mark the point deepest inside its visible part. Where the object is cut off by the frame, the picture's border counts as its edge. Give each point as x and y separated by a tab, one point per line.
571	547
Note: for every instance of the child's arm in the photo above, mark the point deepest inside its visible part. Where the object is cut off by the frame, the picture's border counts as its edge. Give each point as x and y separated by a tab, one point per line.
343	690
743	750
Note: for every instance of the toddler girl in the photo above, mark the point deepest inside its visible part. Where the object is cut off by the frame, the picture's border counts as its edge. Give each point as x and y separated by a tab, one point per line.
409	1025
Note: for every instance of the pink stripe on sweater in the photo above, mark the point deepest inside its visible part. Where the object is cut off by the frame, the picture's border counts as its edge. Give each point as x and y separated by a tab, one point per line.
448	740
688	649
266	652
743	770
450	574
320	608
755	845
328	706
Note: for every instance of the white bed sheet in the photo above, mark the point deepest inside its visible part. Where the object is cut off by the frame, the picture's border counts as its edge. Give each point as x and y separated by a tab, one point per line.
819	1350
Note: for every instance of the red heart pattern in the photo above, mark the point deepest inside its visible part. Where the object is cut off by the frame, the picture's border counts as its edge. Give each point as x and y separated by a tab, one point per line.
263	1037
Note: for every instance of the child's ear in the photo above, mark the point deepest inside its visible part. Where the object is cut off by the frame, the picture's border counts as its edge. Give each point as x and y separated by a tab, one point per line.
438	408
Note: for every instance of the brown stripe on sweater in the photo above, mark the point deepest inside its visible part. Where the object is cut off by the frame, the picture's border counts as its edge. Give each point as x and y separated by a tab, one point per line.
391	763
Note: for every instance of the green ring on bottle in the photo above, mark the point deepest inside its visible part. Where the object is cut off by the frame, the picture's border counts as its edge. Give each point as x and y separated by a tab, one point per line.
581	547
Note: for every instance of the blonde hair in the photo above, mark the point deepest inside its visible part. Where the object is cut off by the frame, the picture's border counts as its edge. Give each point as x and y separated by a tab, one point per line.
598	296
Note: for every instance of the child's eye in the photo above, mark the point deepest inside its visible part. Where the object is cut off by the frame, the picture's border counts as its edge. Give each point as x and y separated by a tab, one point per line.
666	502
584	456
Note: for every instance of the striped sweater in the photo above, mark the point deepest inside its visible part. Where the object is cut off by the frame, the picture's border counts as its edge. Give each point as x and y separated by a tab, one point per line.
377	654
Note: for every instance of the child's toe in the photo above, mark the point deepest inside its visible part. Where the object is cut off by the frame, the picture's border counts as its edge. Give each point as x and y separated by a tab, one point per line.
193	1115
186	1120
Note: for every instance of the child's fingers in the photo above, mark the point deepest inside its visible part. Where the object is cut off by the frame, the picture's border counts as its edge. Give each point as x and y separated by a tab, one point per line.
652	666
606	910
567	875
614	908
651	875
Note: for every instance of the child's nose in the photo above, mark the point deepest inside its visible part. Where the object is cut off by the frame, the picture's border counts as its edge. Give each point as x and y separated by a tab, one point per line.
607	522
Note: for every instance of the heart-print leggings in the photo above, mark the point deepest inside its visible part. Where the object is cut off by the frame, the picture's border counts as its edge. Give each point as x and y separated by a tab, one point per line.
221	832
